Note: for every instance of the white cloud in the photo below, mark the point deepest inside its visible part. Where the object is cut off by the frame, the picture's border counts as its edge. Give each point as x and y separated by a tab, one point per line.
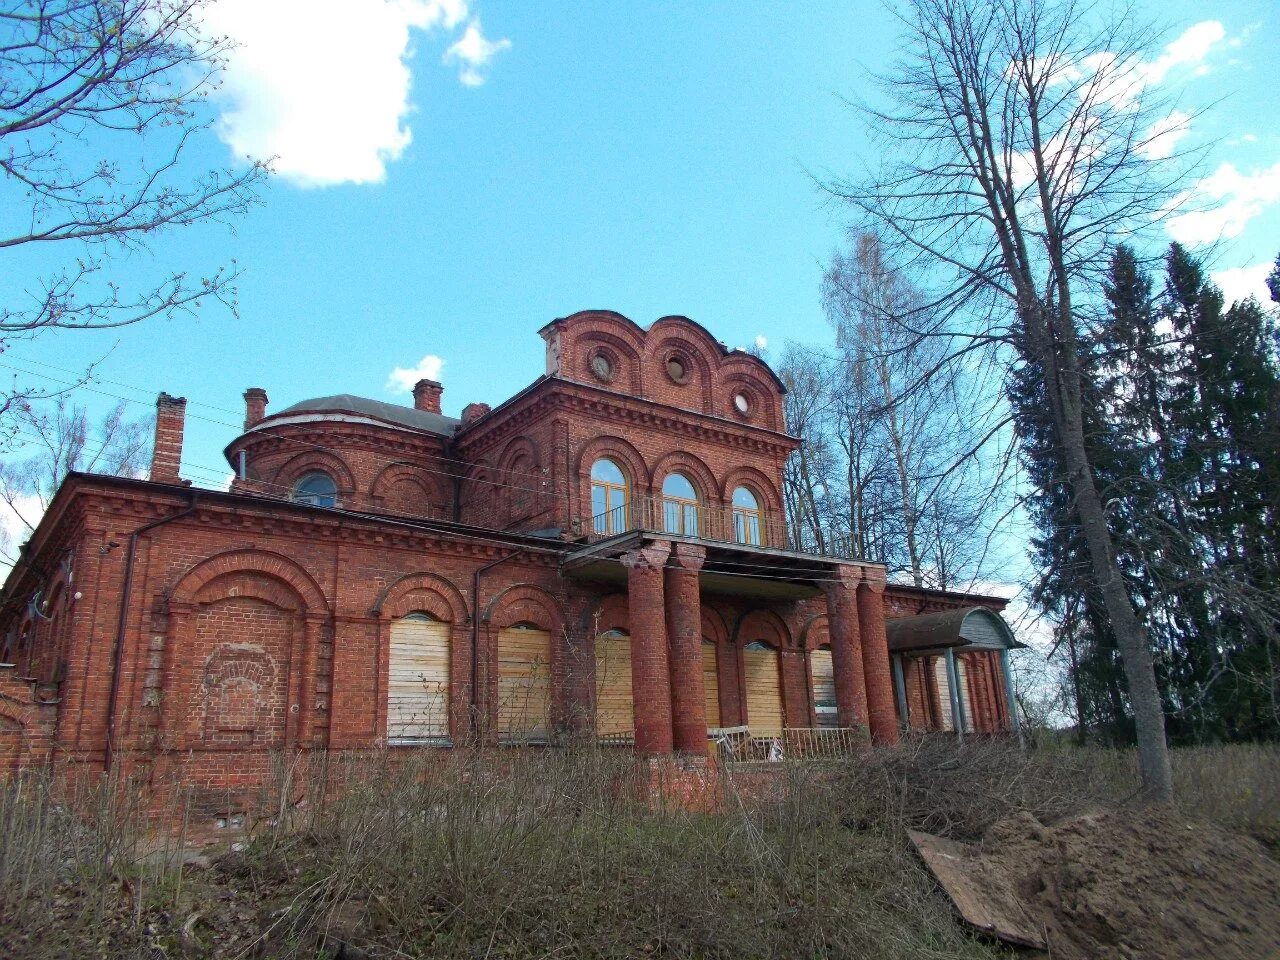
1188	50
1237	283
761	341
402	379
14	530
473	51
1164	135
1228	200
322	85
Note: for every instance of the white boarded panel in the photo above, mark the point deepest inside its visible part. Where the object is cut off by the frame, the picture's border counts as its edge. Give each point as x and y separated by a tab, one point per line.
418	680
615	712
524	683
944	692
764	691
824	688
966	705
711	684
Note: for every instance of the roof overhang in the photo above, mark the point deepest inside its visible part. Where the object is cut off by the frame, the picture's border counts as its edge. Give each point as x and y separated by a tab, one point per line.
971	628
730	569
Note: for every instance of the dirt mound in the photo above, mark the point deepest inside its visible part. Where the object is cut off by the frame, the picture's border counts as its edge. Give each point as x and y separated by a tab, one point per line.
1153	885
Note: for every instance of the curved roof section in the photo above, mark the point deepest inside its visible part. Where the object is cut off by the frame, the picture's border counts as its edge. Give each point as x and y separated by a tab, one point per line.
972	627
346	403
725	351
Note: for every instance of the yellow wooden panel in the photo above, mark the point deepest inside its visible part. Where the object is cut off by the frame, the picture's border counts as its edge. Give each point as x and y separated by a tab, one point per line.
944	692
824	689
764	692
524	683
418	680
615	711
711	684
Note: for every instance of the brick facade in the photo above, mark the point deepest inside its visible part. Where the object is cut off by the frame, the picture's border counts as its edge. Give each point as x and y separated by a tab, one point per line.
194	637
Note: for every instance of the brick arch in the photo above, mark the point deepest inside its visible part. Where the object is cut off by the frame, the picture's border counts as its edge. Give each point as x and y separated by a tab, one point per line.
267	563
402	471
615	448
814	633
525	603
15	736
613	612
627	377
762	625
713	626
755	479
734	375
701	383
424	592
683	462
287	473
241	584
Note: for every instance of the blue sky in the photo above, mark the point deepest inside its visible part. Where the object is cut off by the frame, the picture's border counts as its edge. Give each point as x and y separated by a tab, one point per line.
454	175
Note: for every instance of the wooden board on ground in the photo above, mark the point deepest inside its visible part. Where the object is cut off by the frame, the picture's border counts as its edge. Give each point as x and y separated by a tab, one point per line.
984	901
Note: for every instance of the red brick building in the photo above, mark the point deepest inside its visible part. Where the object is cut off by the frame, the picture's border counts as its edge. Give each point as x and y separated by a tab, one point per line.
603	554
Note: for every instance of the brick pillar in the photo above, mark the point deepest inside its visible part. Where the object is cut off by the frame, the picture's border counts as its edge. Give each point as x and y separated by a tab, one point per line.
426	395
166	455
875	662
684	630
255	406
845	635
650	672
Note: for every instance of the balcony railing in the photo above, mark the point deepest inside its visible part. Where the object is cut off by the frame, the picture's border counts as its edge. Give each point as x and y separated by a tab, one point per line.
761	528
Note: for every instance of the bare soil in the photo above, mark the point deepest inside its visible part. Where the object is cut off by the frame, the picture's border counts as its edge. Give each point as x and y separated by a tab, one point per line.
1148	885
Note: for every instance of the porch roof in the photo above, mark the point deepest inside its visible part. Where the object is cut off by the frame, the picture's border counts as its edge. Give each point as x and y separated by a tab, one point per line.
977	628
731	569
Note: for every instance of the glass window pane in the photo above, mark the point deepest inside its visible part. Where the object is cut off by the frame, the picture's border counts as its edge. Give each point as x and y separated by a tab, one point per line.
678	485
317	489
742	497
608	471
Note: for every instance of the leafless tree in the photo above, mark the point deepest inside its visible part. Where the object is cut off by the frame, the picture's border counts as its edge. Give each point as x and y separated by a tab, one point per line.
1018	135
62	440
102	105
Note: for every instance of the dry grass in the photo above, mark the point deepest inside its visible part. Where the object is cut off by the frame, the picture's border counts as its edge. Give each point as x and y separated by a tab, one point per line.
558	853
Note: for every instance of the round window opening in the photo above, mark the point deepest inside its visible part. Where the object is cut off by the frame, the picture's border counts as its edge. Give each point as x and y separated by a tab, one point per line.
742	403
677	369
601	367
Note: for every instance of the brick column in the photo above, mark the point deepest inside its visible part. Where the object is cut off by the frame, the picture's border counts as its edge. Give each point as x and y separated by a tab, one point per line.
684	632
650	672
875	661
846	647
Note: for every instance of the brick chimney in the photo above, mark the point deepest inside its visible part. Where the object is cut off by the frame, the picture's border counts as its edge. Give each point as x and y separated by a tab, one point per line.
255	406
473	412
426	395
171	415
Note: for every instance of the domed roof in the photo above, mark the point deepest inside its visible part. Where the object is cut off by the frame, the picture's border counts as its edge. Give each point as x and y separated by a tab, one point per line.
392	413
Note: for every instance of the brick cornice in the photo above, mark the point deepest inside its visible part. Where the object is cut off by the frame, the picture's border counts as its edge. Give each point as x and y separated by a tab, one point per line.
560	394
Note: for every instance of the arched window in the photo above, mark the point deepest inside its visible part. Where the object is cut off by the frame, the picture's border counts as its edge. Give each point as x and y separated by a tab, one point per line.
746	517
316	488
524	683
418	680
608	498
679	505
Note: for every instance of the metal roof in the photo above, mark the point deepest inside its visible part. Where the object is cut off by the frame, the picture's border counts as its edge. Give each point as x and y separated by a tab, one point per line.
379	410
963	627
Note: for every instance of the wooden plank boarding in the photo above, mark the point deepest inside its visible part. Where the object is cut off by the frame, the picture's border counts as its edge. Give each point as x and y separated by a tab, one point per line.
984	900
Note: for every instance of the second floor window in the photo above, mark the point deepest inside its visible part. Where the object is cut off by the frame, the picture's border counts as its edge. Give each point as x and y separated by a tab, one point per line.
746	517
679	506
316	488
608	497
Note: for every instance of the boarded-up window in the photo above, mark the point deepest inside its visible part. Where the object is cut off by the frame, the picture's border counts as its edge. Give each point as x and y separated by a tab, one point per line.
944	693
615	714
764	689
524	683
966	705
824	688
711	683
418	680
